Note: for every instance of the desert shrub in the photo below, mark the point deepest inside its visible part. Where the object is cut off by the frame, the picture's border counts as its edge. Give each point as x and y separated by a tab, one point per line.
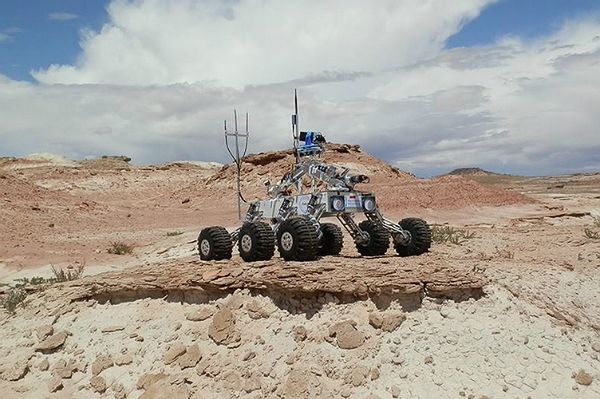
70	273
18	292
120	248
448	234
174	233
35	280
15	296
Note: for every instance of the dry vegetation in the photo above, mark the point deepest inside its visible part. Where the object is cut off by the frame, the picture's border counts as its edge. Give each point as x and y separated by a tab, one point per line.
120	248
450	235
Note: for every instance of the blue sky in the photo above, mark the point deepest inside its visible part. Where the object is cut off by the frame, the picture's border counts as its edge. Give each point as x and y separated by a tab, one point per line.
523	18
427	82
36	41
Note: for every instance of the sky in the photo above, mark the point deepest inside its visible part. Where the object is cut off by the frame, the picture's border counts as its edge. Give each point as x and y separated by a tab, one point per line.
511	86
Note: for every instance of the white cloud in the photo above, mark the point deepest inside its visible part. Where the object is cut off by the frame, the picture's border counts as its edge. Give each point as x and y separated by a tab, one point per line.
235	43
62	16
4	37
525	106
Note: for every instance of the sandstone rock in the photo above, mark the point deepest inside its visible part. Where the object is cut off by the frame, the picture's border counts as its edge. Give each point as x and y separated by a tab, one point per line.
44	331
146	380
162	389
191	357
256	310
123	359
346	334
55	383
174	352
395	390
101	363
583	378
232	380
119	391
43	365
222	328
98	384
63	369
253	383
200	314
110	329
388	322
52	342
357	376
297	385
16	372
596	346
376	319
374	374
299	333
428	359
202	367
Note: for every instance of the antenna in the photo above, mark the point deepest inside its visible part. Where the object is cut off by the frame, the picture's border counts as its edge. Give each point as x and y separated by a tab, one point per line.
235	155
295	129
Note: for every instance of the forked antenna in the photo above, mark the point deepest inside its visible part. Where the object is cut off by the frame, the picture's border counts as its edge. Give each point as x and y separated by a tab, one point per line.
235	154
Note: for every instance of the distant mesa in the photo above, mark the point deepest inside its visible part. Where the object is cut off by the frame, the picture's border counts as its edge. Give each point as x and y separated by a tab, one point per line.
121	158
472	172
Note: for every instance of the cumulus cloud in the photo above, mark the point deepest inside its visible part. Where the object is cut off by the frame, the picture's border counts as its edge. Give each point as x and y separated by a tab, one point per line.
236	43
521	106
62	16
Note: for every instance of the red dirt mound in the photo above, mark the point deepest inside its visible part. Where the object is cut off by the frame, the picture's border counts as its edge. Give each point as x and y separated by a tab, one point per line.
395	188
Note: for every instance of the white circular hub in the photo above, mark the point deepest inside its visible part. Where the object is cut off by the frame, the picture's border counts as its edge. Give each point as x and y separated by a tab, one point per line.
369	204
204	247
287	241
337	204
246	242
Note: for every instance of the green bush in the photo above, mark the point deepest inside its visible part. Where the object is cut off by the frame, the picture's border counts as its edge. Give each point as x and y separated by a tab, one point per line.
174	233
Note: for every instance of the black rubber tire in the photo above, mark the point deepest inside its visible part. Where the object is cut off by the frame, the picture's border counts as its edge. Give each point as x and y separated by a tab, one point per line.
420	237
219	243
304	240
379	239
262	241
332	239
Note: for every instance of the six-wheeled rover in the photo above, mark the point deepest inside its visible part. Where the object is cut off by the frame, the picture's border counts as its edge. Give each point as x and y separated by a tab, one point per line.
291	219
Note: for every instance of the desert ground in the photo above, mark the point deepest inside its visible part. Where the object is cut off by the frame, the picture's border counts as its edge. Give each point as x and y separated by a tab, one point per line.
505	305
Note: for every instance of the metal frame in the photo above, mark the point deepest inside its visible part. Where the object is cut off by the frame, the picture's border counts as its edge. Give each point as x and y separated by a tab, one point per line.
315	204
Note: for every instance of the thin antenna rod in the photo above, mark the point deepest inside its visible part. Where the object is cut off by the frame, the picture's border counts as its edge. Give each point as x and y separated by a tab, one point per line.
295	130
235	155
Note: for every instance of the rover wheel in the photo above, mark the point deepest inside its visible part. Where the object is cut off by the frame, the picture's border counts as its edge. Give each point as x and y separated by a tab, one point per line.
297	240
420	237
256	241
214	243
379	239
332	239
